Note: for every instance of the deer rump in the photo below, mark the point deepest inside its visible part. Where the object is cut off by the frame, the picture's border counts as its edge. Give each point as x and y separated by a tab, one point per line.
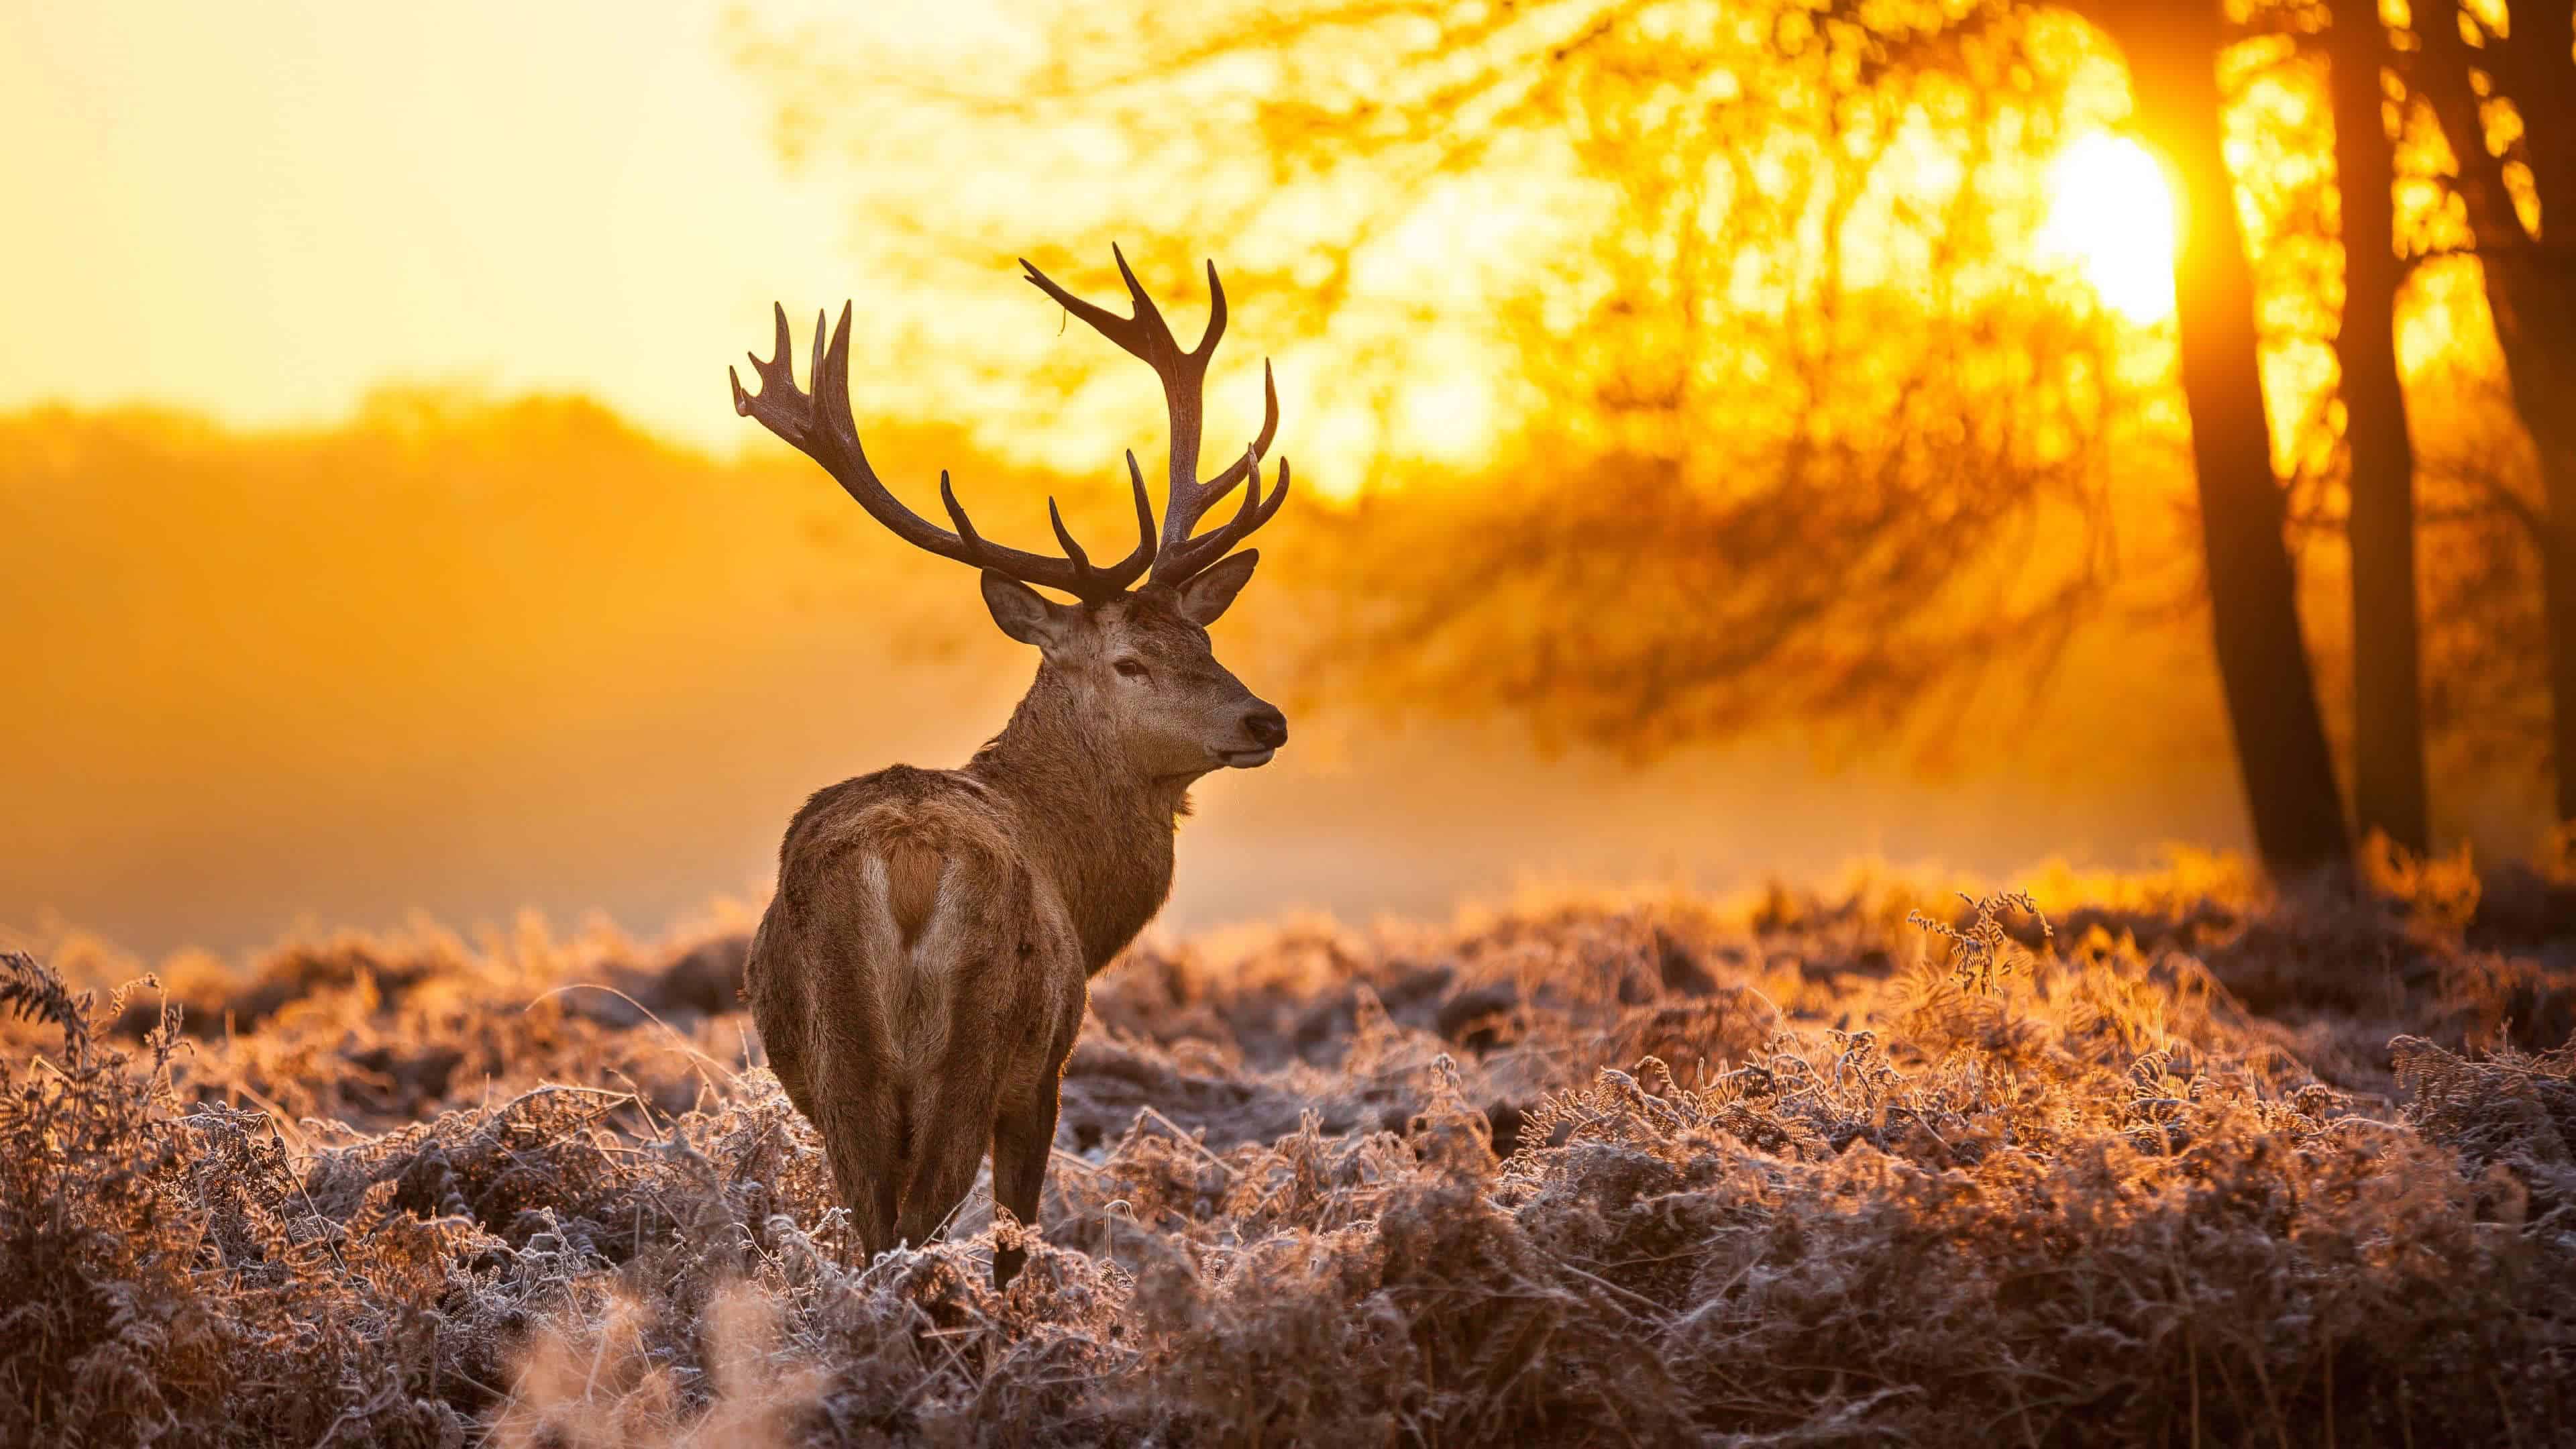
911	982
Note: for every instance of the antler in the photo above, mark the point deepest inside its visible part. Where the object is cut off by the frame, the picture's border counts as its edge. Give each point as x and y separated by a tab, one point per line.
820	427
1184	376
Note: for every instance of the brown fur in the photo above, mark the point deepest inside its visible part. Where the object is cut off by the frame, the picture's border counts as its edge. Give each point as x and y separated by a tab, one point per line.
921	974
912	885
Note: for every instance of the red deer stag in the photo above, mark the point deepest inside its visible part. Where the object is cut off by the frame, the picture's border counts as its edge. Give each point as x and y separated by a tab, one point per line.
922	971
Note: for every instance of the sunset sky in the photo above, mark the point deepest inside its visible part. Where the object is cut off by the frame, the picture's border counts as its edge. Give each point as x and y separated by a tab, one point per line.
258	211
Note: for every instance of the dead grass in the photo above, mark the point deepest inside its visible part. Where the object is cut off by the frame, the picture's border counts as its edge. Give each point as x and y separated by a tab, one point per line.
2198	1165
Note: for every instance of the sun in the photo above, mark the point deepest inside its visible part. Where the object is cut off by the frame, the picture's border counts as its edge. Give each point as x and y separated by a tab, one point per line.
2111	213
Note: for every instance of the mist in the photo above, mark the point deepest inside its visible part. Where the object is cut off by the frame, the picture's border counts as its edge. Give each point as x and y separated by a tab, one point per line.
468	657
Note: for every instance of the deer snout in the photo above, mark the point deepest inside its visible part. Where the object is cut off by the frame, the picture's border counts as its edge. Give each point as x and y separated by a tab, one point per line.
1267	728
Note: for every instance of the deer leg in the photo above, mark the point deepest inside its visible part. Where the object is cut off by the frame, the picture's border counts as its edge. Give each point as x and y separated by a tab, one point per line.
947	1146
865	1144
1023	1136
787	1063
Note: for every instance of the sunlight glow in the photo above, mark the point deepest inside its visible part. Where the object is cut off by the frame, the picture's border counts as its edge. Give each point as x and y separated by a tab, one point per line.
2111	213
1450	419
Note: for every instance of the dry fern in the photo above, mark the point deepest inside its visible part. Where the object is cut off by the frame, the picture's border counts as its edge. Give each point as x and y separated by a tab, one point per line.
1642	1171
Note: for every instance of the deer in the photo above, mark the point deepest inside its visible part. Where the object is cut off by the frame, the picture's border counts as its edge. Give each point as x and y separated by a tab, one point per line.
921	972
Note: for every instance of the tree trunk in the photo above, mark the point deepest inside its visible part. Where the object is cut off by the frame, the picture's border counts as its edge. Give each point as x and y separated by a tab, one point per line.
2536	323
2540	76
2387	713
2281	751
2530	284
2558	603
2542	360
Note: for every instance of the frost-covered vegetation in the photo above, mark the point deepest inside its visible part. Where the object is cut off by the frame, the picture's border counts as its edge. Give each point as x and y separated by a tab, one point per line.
2187	1162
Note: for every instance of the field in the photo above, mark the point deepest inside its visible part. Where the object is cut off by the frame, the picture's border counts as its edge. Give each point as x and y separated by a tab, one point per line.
2140	1159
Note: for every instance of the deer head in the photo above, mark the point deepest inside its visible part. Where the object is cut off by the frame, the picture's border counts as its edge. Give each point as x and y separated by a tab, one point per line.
1137	661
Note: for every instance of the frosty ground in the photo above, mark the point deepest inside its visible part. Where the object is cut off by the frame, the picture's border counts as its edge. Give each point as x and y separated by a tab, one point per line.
2161	1158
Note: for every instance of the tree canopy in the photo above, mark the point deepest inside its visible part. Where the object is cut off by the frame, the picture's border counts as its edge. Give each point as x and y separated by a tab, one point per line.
1686	368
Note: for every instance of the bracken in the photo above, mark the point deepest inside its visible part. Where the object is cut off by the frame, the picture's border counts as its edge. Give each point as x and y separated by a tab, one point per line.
1646	1169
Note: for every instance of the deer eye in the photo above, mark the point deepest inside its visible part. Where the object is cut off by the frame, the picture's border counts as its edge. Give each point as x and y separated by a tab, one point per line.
1129	669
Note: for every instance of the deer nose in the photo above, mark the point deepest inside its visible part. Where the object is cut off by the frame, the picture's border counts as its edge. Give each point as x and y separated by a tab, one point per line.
1267	727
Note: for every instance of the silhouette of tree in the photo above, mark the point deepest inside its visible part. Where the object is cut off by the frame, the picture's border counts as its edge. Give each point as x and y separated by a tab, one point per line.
2503	85
2388	785
1812	445
2173	53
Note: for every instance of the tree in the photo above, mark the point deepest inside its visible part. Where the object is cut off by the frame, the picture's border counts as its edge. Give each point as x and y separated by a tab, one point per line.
1816	444
2388	720
2504	88
2282	758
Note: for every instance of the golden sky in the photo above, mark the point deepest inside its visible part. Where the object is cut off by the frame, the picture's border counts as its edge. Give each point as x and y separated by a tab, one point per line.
258	211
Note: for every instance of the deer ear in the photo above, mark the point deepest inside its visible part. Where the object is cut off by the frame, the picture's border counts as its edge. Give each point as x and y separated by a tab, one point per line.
1023	612
1205	598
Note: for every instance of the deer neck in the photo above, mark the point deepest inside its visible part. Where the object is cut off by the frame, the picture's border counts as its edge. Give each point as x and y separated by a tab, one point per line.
1099	828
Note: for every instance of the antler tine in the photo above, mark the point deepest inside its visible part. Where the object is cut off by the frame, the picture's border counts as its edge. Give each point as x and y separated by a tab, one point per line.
1149	324
820	426
1144	506
1147	336
1196	554
1216	316
957	514
1144	335
1063	535
787	419
814	370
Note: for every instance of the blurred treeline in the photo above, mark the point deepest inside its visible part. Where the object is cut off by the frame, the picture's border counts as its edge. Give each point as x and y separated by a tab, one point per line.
392	661
466	654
